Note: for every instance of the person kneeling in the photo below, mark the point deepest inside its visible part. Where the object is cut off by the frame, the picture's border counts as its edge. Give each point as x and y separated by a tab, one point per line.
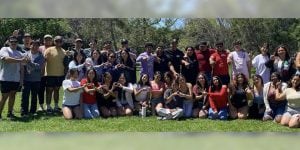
72	96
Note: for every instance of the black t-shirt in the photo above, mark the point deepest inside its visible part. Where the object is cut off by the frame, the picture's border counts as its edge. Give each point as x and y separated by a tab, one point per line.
175	57
161	66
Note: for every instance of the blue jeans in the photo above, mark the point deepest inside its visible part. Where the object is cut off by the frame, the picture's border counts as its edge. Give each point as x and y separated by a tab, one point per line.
32	87
90	111
187	108
222	114
277	109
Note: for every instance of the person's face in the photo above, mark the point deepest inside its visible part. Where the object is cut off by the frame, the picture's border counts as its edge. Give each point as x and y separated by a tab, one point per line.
79	57
281	51
111	57
174	45
91	74
149	49
58	43
78	44
107	46
237	46
220	47
240	79
201	79
108	78
35	47
47	41
274	78
295	81
181	81
75	75
157	77
92	44
256	80
27	39
216	81
124	54
264	50
95	55
144	78
189	52
203	47
159	51
167	79
13	44
122	79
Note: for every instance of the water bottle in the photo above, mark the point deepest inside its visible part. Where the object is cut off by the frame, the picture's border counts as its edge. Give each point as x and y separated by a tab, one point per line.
143	113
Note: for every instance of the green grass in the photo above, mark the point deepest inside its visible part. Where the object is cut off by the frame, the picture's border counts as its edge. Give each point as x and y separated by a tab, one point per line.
57	123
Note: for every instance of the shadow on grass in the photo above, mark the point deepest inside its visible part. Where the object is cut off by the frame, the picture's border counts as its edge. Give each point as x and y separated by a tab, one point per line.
40	115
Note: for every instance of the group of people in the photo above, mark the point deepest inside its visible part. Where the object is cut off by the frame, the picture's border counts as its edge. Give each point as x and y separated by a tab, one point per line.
172	84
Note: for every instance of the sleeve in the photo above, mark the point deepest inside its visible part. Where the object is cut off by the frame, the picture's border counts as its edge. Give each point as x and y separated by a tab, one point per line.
254	61
269	63
139	58
66	84
265	93
129	88
83	81
221	93
212	102
73	65
247	57
3	52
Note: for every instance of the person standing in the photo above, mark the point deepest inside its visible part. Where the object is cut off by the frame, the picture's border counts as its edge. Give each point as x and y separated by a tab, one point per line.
48	42
54	72
32	79
259	62
10	74
147	61
240	60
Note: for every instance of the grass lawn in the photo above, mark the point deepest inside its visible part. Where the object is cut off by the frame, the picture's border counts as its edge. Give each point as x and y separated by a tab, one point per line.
56	123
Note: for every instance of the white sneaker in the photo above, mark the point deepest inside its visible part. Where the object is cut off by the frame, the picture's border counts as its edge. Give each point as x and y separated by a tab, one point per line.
41	108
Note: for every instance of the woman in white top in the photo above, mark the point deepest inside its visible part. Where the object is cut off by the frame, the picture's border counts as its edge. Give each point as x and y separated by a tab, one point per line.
258	62
292	115
142	92
124	92
78	63
72	96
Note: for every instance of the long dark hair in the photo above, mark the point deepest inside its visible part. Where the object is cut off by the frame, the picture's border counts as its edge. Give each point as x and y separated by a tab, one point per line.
287	56
290	82
75	59
213	87
198	84
128	62
99	61
95	80
141	82
245	83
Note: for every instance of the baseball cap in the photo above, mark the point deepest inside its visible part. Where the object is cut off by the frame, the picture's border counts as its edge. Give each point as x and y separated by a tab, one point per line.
48	36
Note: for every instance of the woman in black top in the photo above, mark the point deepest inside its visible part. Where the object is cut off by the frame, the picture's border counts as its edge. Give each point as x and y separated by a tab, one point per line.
190	71
240	92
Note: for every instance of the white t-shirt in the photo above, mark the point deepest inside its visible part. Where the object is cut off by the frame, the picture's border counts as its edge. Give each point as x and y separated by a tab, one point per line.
10	71
142	96
293	98
71	98
258	63
239	62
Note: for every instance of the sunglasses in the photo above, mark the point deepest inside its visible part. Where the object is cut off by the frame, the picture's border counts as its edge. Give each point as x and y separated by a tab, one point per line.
58	41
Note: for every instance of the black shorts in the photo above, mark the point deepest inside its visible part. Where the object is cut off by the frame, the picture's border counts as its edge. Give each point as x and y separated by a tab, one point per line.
71	106
54	81
8	86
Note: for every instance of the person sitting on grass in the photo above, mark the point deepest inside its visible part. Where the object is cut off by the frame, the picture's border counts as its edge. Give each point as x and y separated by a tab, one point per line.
124	92
173	104
218	100
186	93
106	98
274	108
240	92
291	117
72	96
90	108
157	93
201	105
257	108
142	92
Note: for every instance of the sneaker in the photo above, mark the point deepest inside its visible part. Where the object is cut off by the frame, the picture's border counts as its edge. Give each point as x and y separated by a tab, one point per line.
41	108
49	110
11	116
57	109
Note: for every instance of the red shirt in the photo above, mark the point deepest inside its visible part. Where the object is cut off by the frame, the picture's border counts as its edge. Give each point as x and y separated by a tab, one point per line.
221	66
218	99
89	98
203	59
